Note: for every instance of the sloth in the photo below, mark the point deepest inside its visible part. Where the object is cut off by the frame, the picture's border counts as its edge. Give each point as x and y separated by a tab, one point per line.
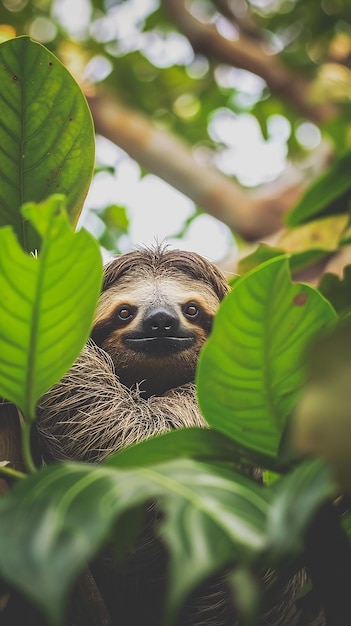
135	379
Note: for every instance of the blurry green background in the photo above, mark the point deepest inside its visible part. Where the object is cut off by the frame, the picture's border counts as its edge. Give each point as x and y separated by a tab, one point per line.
258	90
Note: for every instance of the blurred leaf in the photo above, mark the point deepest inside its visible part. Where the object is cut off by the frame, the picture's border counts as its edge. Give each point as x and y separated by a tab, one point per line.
335	128
247	593
298	497
328	187
251	369
297	260
53	523
338	290
320	235
47	303
46	135
108	169
116	224
262	253
346	523
313	241
115	218
301	260
218	519
196	443
322	420
50	526
346	236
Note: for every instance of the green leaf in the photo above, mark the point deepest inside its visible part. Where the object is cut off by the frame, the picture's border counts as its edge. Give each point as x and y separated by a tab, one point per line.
219	518
324	191
321	424
338	290
323	234
53	523
305	244
251	368
260	255
47	303
247	592
298	497
46	135
115	218
196	443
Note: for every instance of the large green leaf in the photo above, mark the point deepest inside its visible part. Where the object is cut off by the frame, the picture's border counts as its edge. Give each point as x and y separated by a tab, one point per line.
52	523
46	135
328	188
214	518
47	303
197	443
251	369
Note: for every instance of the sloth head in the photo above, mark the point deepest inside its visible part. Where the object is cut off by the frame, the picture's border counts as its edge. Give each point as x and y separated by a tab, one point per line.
154	315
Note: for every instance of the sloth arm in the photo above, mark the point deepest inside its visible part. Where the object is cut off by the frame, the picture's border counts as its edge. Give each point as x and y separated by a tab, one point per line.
89	414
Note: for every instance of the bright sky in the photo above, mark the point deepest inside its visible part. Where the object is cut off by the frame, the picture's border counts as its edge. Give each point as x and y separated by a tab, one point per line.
156	210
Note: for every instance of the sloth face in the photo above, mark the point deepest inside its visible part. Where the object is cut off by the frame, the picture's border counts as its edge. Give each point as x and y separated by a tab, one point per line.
153	327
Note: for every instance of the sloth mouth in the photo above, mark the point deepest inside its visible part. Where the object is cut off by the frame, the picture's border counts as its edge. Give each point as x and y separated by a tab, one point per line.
159	346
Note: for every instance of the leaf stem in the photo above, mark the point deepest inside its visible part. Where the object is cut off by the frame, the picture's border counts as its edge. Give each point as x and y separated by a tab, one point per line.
9	472
26	446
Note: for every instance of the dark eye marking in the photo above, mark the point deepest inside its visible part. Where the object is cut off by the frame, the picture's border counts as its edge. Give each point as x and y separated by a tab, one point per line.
125	312
191	310
117	319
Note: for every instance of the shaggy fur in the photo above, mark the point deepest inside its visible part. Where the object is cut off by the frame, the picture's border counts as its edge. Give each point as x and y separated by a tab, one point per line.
120	416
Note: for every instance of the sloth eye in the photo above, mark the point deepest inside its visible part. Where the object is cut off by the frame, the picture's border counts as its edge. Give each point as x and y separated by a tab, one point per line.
125	313
191	310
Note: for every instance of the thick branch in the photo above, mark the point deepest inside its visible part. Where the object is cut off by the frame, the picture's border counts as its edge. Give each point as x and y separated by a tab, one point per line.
247	54
242	22
251	216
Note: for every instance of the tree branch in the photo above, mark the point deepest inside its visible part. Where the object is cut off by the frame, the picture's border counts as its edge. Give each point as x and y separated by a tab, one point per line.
249	55
251	215
243	22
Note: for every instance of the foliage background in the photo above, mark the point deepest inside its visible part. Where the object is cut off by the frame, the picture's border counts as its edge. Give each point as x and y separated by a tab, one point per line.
236	104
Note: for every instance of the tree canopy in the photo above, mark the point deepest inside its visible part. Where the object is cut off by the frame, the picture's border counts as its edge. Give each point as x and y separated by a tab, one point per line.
238	105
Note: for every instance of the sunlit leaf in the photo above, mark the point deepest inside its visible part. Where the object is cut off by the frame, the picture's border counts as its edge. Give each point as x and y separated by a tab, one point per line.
46	135
322	234
47	303
298	260
251	368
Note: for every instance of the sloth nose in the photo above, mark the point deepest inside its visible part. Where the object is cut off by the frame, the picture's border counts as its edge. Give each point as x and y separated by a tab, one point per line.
160	322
